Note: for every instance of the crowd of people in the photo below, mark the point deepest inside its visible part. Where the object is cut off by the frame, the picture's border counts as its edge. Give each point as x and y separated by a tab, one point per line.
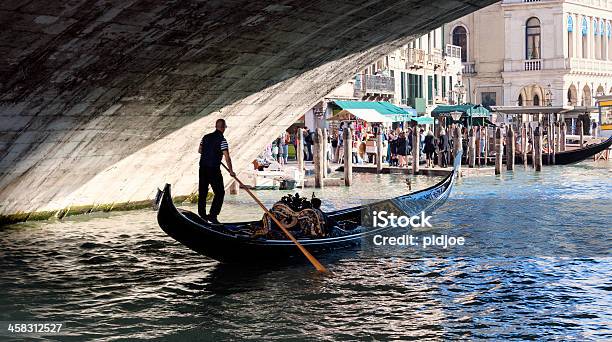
398	145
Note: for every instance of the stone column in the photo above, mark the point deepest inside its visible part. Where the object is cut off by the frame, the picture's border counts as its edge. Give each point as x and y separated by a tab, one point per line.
348	156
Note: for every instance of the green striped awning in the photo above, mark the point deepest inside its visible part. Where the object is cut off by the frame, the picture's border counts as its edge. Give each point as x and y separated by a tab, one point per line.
475	111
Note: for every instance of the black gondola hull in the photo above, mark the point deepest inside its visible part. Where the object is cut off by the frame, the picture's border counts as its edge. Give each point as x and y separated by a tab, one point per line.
226	244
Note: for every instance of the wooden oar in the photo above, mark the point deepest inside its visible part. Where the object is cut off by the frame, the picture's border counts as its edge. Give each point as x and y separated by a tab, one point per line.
309	256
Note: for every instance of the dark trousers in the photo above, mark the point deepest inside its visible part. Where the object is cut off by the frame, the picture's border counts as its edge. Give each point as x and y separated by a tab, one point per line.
309	155
445	158
212	177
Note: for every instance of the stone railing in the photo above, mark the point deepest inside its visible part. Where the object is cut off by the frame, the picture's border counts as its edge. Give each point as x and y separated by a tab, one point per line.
589	65
533	64
469	68
602	4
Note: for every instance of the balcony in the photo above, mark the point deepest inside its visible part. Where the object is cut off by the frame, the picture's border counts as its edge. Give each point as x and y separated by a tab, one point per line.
435	58
453	51
374	84
533	64
469	68
415	58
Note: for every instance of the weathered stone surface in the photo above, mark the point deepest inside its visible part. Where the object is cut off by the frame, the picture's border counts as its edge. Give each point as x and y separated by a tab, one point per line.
104	101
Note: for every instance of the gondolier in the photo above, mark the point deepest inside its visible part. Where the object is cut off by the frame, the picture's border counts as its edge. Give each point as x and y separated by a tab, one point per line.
212	148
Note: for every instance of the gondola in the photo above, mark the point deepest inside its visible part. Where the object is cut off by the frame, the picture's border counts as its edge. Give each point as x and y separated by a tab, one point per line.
573	156
232	243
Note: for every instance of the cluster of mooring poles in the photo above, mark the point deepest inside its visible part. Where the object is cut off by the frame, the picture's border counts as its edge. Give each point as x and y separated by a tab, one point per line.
538	149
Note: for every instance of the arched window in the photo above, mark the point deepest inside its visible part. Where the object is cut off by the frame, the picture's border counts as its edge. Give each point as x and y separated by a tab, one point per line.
520	100
572	95
532	40
586	96
460	39
536	100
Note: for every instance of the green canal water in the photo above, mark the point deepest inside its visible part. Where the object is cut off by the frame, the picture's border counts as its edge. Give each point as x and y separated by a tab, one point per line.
535	265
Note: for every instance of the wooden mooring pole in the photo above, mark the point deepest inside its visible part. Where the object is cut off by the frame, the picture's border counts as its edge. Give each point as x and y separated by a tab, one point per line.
562	135
499	150
457	139
524	144
471	147
487	146
551	139
478	137
300	149
324	151
348	156
537	148
532	138
379	150
581	132
318	158
438	135
510	148
416	149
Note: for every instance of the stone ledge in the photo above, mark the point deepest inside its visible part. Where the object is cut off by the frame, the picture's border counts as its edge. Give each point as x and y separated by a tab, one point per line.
6	220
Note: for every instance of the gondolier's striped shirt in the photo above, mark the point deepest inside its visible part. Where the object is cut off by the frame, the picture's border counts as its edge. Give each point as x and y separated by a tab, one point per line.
213	145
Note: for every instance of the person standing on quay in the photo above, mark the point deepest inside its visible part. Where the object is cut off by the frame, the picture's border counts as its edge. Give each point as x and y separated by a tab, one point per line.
444	146
212	148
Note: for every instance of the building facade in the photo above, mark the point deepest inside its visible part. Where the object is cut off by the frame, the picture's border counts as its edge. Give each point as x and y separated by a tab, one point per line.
421	74
536	52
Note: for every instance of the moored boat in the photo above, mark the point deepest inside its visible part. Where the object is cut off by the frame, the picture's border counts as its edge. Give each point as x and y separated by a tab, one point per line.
573	156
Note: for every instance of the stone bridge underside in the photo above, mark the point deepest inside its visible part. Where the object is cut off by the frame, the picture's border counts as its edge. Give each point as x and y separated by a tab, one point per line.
103	101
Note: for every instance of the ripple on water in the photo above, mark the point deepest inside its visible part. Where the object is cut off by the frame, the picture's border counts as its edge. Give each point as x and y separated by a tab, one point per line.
117	276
